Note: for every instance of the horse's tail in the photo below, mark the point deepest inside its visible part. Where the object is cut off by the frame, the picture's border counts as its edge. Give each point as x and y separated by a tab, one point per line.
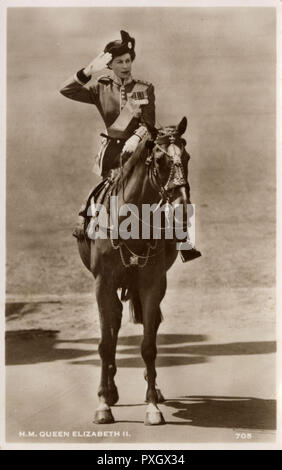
131	293
135	306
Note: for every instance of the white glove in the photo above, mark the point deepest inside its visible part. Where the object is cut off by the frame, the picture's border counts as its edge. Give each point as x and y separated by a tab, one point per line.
99	63
131	144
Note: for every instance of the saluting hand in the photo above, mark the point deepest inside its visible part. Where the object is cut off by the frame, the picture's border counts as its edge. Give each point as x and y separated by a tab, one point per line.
99	63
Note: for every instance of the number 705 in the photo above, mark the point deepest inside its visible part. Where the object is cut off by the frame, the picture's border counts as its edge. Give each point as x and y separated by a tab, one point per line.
243	435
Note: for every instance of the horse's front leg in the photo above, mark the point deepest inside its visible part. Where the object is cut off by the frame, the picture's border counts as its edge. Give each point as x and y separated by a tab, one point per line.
161	398
151	297
110	310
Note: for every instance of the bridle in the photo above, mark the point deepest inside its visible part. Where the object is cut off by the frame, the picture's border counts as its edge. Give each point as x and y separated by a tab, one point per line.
176	176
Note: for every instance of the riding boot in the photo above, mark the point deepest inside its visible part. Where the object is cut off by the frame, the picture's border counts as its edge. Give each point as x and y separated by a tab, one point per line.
189	253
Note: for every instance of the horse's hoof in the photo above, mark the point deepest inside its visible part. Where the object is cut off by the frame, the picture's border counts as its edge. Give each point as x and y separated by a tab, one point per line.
103	417
154	418
113	397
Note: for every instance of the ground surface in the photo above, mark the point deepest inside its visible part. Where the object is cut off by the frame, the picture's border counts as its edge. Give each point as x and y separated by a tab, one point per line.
216	361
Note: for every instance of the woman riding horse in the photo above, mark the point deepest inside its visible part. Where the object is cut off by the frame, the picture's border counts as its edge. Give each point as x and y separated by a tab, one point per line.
127	106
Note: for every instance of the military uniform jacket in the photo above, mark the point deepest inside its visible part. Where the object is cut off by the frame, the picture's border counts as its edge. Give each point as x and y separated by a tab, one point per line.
110	95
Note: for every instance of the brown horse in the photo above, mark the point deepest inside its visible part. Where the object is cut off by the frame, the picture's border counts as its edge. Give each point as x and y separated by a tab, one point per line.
157	170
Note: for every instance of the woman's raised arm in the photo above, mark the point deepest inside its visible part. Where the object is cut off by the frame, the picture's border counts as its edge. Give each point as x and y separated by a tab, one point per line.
74	88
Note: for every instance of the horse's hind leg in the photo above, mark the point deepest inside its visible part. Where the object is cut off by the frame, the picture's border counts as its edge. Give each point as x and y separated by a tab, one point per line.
110	309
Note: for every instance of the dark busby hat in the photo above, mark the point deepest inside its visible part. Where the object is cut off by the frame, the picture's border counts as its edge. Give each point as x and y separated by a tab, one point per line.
120	47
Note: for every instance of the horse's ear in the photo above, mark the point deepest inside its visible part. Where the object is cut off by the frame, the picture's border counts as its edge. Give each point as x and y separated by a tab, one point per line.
181	128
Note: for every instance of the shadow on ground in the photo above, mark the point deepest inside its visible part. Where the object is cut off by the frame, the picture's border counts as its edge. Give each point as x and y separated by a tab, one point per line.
225	412
14	310
135	340
37	345
228	349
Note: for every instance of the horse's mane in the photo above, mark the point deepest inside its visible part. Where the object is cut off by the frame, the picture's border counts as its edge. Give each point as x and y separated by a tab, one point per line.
128	166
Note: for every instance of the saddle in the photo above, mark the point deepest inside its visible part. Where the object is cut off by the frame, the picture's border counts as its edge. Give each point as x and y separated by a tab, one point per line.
99	195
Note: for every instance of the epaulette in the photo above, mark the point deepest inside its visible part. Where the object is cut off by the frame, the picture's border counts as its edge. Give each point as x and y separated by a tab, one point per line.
105	79
137	80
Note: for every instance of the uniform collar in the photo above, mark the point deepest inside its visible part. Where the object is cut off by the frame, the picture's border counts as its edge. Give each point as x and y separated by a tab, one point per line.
118	80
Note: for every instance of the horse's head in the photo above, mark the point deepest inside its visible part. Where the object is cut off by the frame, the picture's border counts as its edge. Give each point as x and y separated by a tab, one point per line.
166	161
168	164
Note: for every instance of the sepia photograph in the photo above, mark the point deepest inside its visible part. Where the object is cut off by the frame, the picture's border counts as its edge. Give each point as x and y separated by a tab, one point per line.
139	156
